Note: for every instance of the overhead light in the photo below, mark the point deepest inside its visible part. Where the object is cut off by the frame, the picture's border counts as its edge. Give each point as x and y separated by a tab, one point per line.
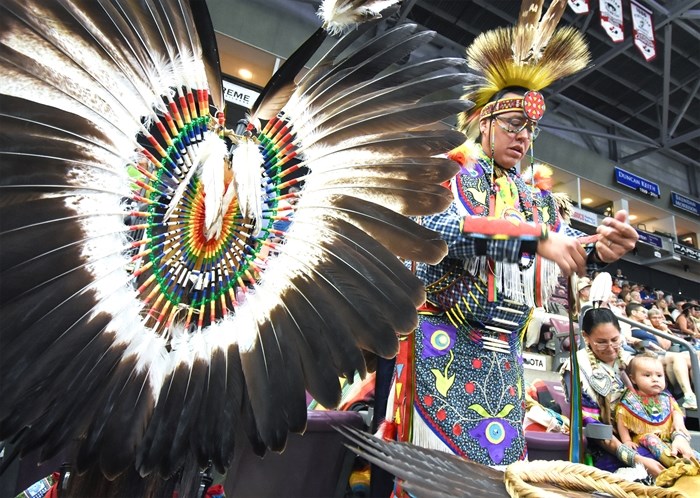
245	73
633	217
586	200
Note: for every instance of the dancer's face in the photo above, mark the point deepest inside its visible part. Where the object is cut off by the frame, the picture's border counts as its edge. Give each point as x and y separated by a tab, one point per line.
512	134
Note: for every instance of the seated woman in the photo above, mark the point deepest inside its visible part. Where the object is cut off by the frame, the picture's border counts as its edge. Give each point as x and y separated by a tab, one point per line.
685	323
662	305
602	363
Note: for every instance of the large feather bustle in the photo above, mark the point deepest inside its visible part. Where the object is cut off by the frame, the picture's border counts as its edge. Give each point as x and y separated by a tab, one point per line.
532	54
170	339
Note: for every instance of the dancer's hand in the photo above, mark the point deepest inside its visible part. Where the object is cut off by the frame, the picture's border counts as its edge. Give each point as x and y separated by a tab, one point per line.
616	238
565	251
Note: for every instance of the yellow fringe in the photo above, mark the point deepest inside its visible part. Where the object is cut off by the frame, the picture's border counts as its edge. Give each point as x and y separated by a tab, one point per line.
639	427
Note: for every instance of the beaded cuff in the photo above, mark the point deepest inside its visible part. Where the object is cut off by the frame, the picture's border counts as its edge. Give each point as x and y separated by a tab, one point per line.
676	434
626	455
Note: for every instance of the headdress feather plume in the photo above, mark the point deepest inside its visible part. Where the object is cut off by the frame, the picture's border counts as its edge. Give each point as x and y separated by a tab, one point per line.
533	55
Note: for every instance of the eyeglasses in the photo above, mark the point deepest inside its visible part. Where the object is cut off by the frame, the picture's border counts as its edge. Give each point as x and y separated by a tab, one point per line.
516	125
615	343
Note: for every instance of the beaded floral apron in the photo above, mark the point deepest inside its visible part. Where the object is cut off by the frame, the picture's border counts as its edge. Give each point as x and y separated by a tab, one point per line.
468	391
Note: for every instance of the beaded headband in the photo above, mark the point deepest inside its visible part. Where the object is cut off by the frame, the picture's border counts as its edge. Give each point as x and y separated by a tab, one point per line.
532	104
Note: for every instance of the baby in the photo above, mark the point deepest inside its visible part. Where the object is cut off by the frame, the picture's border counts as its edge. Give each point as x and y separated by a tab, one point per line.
648	416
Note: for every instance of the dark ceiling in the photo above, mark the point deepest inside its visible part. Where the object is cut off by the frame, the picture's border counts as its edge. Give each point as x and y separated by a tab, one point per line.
652	106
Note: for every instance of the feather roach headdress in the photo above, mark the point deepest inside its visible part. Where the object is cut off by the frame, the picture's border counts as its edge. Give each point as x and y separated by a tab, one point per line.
532	54
159	289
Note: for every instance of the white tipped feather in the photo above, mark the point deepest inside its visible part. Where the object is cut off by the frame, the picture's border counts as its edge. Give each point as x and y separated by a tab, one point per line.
179	192
601	288
246	164
212	153
340	16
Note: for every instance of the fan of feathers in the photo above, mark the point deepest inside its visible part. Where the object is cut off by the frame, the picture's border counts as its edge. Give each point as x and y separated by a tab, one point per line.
162	282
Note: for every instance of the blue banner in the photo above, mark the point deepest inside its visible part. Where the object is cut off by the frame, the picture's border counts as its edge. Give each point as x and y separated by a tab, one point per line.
637	183
685	203
652	240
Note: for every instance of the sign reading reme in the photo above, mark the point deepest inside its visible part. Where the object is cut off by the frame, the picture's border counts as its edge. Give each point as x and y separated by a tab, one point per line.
637	183
684	203
239	95
686	251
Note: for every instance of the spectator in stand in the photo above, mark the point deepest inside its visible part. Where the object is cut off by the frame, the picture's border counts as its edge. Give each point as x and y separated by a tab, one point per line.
629	343
617	287
583	290
635	297
645	296
678	309
662	305
625	295
677	364
685	323
695	314
637	312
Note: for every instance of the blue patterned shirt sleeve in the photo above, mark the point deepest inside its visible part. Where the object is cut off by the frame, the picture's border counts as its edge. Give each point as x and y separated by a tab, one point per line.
461	246
591	263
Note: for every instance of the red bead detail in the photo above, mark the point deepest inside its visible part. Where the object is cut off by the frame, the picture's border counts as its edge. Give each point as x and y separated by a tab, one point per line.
533	105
